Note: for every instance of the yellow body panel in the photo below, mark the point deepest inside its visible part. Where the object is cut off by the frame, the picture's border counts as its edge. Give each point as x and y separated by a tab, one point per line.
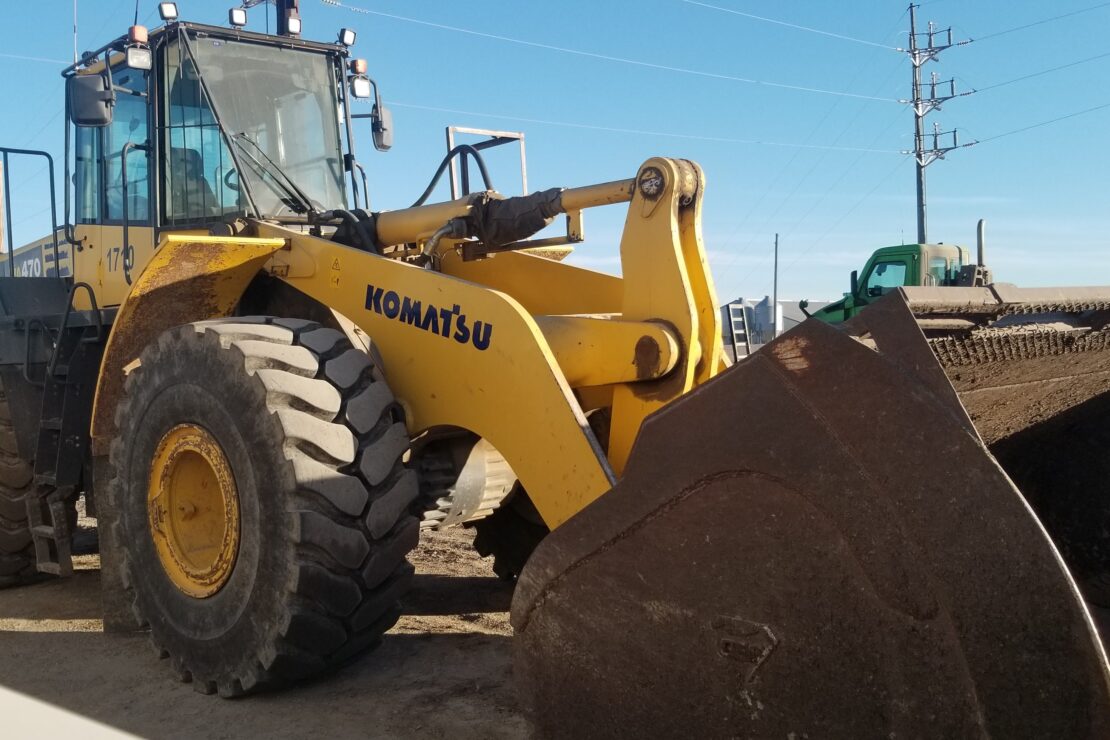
485	367
102	262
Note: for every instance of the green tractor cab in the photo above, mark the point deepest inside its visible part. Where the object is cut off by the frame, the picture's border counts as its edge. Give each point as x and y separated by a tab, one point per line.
901	266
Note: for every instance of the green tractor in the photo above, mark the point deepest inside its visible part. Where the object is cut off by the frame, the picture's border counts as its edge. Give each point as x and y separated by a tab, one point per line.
906	265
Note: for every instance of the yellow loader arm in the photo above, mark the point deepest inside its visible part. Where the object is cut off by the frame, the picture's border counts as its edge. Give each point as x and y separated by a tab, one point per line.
461	350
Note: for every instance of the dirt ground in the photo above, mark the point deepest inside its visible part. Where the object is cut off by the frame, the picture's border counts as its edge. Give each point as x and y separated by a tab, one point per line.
443	671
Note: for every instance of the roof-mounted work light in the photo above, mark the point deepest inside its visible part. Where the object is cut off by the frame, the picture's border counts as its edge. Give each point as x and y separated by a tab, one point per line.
237	17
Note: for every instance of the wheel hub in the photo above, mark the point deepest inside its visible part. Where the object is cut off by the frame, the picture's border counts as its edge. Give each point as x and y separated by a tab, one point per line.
193	508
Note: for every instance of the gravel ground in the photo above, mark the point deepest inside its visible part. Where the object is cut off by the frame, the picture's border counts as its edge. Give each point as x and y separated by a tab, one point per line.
443	671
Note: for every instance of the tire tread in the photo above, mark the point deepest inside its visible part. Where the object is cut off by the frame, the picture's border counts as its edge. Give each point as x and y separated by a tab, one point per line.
350	532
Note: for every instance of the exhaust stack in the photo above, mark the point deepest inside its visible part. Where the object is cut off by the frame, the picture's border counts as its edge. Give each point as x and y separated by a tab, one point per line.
980	240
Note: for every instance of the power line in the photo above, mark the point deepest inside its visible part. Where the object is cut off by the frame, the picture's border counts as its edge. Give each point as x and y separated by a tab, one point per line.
60	62
1042	72
735	257
694	137
1041	22
881	182
790	25
604	57
1038	125
845	215
727	269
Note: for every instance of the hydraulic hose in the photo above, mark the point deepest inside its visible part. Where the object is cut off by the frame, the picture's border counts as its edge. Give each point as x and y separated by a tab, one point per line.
460	149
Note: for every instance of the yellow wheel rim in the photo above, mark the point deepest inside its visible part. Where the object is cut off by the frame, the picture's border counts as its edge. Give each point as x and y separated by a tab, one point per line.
193	507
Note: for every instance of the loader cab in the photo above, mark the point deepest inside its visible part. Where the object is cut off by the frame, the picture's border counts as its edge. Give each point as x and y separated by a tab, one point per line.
894	267
193	126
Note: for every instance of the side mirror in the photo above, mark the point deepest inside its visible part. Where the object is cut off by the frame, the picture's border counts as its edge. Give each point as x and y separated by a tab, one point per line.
90	100
855	282
382	125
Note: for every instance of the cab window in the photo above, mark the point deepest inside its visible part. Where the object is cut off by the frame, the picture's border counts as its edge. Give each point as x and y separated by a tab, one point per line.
129	125
938	271
884	276
86	175
201	182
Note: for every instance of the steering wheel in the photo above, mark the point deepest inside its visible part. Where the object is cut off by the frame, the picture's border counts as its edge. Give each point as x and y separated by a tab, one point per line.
227	179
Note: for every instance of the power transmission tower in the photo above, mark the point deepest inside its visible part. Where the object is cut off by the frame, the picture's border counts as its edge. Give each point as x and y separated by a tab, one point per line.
925	151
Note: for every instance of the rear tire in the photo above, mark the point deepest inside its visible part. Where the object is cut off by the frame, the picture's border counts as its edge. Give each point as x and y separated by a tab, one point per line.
324	521
17	552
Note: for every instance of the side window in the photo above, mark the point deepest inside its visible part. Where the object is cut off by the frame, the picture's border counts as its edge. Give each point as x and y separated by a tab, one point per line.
86	175
938	272
201	184
129	125
884	276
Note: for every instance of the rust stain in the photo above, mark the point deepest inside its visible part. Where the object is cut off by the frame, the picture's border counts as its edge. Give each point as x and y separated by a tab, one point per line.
790	352
199	282
646	358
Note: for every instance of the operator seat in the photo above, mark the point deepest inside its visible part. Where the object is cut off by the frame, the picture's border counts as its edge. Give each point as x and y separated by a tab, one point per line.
191	197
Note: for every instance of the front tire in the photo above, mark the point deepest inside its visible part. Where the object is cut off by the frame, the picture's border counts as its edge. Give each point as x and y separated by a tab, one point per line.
280	551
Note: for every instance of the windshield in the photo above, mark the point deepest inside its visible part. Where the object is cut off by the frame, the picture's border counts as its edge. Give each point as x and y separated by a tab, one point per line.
284	102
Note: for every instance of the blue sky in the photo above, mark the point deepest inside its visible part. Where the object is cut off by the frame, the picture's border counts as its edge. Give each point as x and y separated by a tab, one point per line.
600	86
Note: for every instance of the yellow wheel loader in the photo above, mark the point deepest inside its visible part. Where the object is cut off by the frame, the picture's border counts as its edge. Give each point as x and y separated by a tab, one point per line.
263	387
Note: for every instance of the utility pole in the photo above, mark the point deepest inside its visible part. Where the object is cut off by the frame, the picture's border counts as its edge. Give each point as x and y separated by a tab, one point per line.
926	152
775	294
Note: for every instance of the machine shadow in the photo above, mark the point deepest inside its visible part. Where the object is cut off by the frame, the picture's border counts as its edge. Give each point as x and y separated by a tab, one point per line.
434	594
434	684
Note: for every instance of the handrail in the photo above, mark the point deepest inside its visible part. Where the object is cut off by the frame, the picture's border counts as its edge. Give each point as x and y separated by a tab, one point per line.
5	151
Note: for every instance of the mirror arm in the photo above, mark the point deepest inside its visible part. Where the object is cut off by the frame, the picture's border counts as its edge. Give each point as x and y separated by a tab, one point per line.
351	143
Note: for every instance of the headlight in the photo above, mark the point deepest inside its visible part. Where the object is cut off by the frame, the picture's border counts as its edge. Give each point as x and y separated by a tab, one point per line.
347	36
237	17
360	87
168	11
139	58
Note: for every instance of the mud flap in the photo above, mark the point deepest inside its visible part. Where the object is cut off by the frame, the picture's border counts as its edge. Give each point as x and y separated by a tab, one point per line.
816	543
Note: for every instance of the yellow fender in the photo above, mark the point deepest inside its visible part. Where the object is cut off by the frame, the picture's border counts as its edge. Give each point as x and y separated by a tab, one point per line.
189	278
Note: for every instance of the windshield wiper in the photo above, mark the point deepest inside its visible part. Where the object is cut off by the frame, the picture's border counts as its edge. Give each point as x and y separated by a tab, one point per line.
298	200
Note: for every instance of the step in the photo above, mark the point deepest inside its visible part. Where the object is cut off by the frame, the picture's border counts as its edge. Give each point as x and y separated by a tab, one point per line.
53	569
51	424
43	531
46	479
61	371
